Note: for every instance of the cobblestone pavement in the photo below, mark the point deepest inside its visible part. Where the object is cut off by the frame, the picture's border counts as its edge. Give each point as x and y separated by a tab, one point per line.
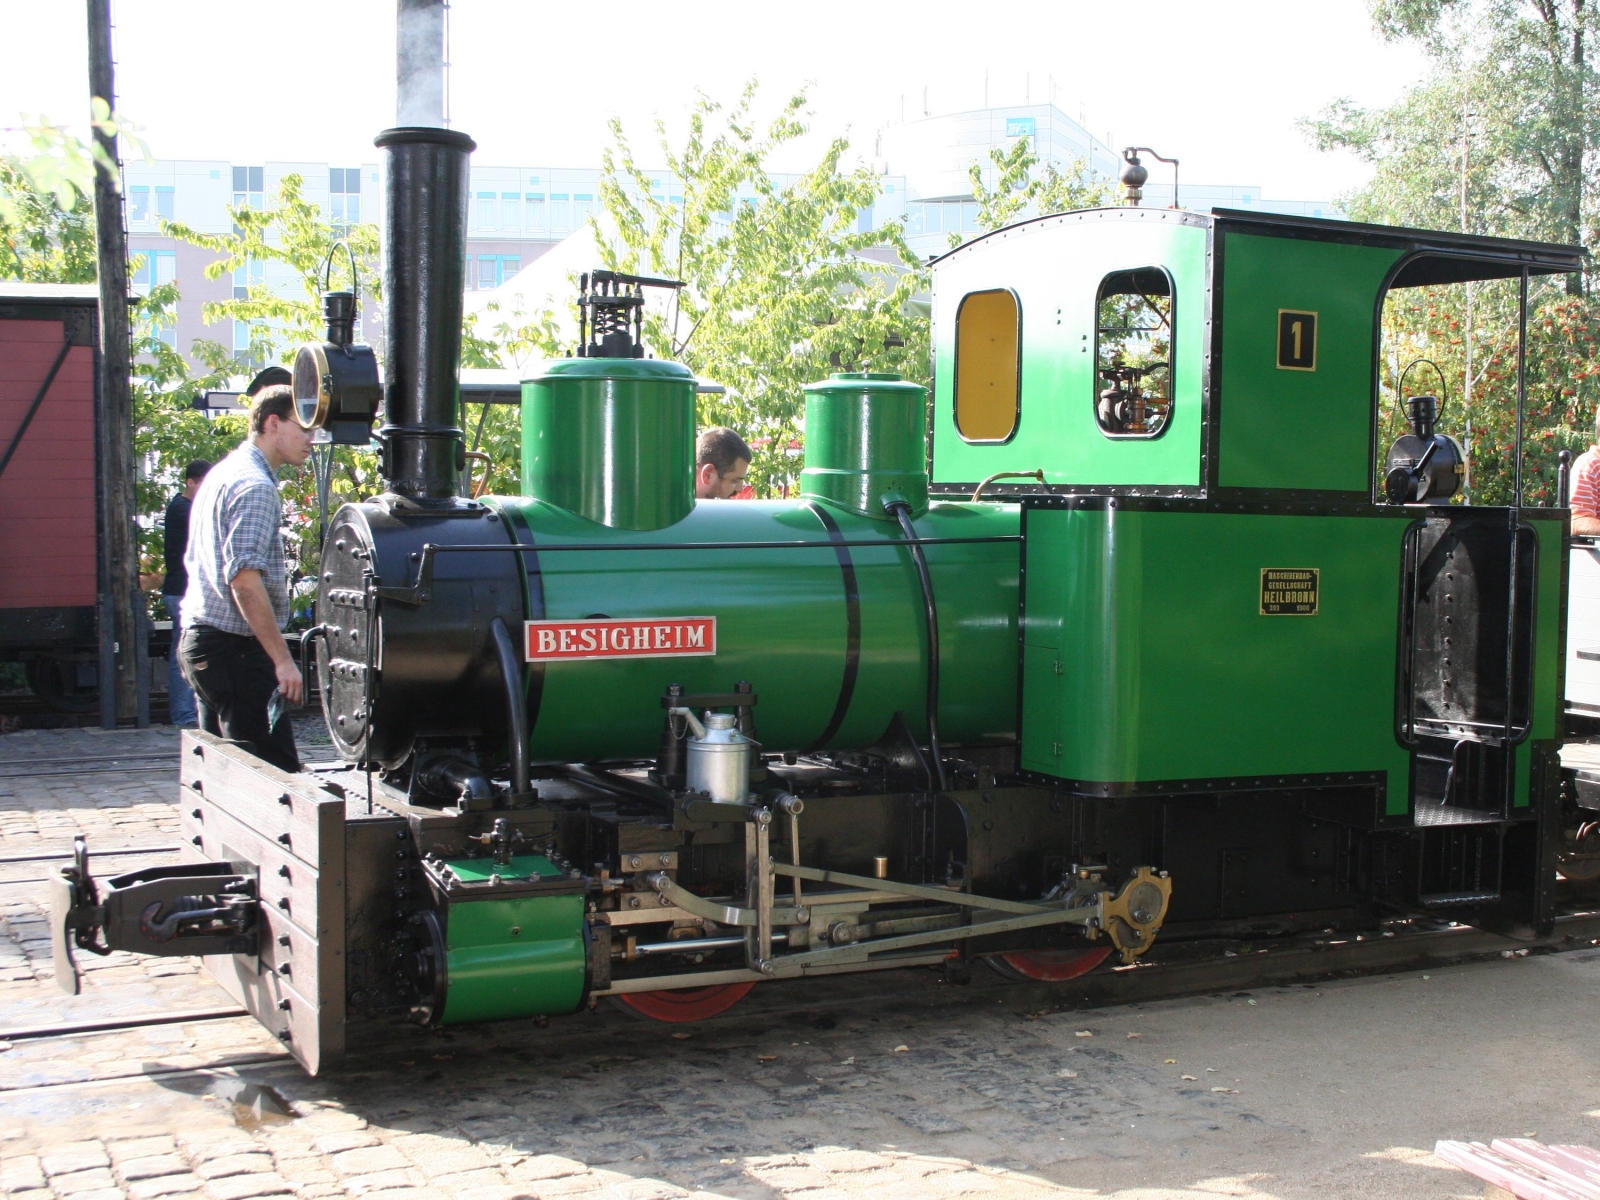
890	1087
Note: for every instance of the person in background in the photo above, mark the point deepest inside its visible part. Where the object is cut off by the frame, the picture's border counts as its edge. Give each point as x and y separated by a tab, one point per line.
237	605
1585	502
180	698
721	462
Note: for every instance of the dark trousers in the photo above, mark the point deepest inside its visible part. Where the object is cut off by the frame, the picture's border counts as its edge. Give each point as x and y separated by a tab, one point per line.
233	680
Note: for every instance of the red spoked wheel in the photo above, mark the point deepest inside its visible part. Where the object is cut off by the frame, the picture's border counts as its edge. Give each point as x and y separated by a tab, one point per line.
1048	966
686	1004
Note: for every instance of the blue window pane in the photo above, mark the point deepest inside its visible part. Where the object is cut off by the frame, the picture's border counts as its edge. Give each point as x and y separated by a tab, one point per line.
164	202
138	204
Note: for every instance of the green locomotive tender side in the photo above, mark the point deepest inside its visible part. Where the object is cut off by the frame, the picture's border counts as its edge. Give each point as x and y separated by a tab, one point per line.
1119	626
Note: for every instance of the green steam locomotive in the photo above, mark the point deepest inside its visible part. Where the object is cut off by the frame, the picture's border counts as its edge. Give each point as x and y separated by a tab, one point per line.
1122	628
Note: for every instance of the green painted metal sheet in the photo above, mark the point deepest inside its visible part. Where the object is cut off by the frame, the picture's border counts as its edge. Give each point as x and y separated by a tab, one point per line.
866	434
1055	268
1167	669
518	957
1283	428
611	439
782	624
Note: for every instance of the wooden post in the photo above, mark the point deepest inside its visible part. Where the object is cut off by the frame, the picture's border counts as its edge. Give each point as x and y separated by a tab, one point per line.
116	402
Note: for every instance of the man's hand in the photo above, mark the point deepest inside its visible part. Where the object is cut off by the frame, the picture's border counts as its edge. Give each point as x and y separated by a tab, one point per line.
250	594
290	682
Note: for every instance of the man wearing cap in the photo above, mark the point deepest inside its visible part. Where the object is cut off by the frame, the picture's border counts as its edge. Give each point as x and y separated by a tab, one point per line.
237	603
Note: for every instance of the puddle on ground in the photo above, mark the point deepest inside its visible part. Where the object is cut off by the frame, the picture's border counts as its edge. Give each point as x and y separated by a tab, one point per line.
253	1104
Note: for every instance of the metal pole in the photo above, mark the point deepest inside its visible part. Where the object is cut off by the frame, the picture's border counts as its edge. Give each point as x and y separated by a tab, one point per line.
116	427
1522	384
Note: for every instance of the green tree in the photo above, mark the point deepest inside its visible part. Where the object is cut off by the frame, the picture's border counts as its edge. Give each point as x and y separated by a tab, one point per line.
782	285
46	200
1499	138
1023	189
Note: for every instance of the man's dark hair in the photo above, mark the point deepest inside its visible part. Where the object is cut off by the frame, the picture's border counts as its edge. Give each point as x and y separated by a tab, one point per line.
196	470
722	448
276	401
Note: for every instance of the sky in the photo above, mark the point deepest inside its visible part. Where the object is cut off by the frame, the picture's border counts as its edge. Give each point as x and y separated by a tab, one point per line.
1220	86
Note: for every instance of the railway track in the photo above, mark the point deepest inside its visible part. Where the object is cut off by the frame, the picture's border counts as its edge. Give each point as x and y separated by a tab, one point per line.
1189	969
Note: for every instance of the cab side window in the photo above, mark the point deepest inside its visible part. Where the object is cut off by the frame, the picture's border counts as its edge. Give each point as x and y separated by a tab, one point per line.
988	375
1133	353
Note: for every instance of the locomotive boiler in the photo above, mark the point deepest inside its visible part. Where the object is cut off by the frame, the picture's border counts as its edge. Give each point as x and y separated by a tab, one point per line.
1119	629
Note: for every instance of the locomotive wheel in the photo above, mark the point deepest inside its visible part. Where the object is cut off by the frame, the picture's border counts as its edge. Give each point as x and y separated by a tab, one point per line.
685	1004
1048	966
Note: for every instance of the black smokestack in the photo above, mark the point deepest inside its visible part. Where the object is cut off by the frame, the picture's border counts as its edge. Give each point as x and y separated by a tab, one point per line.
423	278
424	265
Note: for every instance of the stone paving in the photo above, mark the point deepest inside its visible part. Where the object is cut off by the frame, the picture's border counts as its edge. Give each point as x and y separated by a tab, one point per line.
888	1087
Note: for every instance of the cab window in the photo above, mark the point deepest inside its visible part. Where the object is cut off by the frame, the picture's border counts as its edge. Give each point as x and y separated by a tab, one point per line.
1133	353
988	337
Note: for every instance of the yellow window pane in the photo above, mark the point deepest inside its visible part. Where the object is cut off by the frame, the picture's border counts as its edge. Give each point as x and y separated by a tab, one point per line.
986	366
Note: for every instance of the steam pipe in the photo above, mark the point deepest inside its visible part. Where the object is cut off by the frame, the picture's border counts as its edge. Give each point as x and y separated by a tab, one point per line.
902	513
516	706
423	275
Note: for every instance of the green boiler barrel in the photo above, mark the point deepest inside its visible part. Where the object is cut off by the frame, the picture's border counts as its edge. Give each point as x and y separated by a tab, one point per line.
829	635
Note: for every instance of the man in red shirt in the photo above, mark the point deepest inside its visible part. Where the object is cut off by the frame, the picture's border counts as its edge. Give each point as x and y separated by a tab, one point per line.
1585	503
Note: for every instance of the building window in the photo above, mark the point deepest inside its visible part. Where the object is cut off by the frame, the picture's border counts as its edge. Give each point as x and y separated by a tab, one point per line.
248	186
510	202
533	212
583	208
151	268
560	217
942	216
495	269
1133	353
164	203
988	366
139	203
252	272
483	211
344	191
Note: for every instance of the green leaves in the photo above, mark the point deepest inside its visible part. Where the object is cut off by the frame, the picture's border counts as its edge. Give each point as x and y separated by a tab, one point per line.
1022	189
294	234
782	285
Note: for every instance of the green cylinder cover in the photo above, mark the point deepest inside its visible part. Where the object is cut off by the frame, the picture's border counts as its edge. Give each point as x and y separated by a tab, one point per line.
866	434
611	439
518	957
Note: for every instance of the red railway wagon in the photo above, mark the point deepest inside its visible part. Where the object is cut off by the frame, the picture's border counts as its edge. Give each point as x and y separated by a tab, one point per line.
49	528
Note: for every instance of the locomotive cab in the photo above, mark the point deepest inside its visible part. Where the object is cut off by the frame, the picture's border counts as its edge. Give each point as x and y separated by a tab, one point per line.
1238	635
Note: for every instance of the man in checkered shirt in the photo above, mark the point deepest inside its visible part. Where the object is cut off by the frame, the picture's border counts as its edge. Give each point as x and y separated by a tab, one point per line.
237	605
